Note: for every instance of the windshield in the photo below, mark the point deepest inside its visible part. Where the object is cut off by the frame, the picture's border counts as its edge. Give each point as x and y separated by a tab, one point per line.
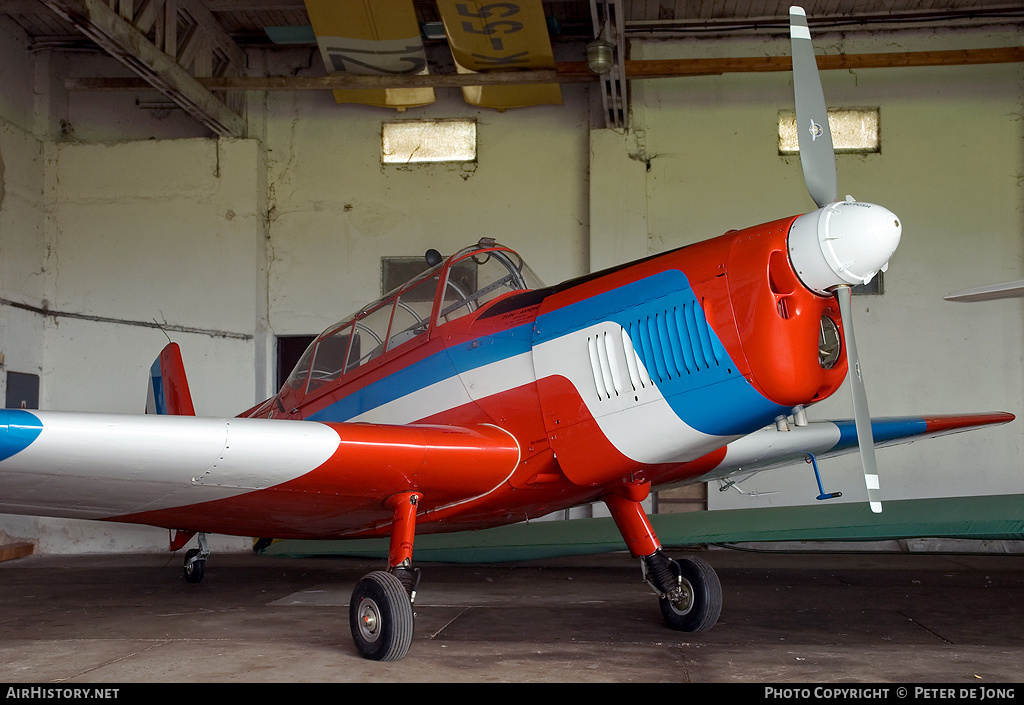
478	275
472	278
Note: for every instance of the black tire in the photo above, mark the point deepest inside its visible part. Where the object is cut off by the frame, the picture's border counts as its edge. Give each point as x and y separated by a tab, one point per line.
380	616
194	569
701	604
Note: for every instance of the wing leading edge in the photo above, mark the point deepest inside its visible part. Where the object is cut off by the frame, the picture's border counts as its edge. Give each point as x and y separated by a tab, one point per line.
771	448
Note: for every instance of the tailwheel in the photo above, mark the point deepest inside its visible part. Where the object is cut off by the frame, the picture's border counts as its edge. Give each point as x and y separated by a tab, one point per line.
694	603
381	617
195	561
195	566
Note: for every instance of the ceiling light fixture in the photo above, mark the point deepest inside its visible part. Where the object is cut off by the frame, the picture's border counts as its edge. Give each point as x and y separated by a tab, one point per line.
600	56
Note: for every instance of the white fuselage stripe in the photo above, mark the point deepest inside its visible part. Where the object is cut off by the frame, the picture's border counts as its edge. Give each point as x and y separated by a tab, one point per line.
636	419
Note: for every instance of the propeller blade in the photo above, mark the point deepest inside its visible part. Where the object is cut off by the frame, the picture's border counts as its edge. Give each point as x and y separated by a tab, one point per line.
861	415
817	156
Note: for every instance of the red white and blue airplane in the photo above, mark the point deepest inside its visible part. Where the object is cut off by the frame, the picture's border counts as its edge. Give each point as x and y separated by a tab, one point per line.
473	396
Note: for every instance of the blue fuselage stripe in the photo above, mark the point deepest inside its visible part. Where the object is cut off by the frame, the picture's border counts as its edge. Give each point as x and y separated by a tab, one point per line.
708	393
713	398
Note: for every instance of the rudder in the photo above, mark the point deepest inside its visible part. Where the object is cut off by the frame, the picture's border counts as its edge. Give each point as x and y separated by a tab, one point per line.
168	387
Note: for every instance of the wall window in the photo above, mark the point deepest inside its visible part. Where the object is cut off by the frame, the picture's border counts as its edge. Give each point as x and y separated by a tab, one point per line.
854	130
395	271
419	141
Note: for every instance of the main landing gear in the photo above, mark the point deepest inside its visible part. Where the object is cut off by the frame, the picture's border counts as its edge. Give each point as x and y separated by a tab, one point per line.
380	611
689	592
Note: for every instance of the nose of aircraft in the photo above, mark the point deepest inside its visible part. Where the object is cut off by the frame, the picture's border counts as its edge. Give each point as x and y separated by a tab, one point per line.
843	243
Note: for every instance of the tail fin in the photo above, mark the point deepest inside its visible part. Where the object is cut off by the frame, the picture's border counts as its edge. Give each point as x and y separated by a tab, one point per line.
168	387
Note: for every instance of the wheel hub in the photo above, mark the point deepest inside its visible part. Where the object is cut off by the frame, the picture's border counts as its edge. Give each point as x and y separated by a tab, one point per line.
681	597
368	620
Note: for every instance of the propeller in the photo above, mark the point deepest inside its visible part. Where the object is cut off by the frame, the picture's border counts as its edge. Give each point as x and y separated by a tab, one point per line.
841	244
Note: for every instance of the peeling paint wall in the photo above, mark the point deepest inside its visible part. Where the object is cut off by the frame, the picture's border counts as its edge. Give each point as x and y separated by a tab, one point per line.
135	244
22	213
22	217
335	210
162	232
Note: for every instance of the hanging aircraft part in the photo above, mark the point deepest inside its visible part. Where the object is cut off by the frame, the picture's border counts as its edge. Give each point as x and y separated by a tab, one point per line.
488	37
371	39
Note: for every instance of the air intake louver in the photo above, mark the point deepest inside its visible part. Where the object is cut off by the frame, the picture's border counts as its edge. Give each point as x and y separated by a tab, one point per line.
669	344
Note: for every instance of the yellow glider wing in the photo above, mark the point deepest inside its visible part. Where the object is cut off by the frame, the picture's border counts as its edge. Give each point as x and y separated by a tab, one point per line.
500	36
371	39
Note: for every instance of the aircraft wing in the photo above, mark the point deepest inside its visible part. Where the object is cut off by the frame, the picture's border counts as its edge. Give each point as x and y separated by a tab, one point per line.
772	448
249	477
485	37
371	39
1003	290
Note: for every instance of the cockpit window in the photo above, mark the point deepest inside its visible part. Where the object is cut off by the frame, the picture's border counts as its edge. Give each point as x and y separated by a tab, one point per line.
370	334
476	276
481	277
412	311
329	358
300	373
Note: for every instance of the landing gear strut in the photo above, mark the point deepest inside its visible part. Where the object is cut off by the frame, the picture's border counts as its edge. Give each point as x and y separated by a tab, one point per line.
689	592
380	612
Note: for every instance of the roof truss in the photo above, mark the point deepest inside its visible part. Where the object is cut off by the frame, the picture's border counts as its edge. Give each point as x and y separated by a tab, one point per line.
169	44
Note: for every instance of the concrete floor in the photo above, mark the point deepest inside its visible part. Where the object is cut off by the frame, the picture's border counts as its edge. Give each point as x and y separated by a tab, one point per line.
788	618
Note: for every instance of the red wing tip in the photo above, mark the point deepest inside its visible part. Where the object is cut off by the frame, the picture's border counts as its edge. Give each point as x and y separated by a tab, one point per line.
941	423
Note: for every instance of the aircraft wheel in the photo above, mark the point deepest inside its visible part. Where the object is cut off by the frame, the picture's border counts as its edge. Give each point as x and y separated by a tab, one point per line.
381	617
697	604
194	567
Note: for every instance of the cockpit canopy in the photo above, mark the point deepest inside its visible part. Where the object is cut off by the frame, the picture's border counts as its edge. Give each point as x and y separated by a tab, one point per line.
460	285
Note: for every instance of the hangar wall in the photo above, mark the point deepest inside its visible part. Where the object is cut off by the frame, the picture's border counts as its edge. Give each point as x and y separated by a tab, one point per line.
22	219
123	222
335	210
